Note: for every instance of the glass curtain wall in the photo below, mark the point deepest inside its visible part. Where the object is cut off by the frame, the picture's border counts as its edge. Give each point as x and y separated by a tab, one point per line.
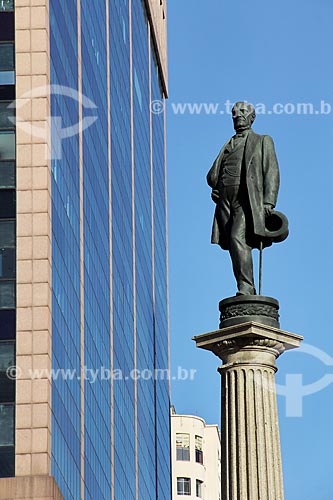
66	394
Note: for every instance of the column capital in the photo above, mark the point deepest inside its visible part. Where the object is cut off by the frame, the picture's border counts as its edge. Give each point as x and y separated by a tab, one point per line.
248	343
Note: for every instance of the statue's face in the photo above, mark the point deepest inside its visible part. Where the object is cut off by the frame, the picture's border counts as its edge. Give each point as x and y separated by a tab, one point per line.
242	115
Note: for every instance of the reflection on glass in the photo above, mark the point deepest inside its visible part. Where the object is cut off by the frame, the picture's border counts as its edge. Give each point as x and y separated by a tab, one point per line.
7	355
7	59
7	234
7	145
7	294
7	77
7	116
6	5
7	174
7	263
7	425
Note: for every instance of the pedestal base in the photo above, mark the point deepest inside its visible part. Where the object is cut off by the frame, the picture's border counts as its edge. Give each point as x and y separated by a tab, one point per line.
244	308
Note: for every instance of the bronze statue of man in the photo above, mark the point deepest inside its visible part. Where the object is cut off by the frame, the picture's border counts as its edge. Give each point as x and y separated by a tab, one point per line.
245	181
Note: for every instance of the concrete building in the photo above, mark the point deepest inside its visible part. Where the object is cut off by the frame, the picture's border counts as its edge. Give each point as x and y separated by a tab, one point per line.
196	458
83	250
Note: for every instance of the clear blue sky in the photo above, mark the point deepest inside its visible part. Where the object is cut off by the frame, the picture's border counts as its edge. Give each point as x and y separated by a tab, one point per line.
262	52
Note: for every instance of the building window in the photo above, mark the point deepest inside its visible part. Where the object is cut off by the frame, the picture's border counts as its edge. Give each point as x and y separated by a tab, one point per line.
198	450
7	263
7	204
183	446
7	294
7	145
6	5
7	57
7	77
7	393
183	486
7	115
198	488
7	355
8	325
7	233
7	175
7	449
7	26
7	386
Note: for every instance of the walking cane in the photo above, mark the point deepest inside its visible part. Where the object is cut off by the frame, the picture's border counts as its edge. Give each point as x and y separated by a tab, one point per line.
260	267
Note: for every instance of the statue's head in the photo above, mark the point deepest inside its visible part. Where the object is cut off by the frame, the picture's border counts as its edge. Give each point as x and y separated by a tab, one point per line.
243	115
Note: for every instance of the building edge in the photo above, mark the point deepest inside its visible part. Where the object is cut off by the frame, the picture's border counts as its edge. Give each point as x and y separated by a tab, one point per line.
33	488
157	15
34	251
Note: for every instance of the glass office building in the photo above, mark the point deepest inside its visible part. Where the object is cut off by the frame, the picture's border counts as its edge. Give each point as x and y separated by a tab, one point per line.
83	285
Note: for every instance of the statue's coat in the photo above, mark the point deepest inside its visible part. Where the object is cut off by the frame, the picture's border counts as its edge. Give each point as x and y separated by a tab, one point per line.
262	180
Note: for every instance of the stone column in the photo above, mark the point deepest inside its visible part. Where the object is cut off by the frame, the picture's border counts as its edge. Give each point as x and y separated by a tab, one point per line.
251	455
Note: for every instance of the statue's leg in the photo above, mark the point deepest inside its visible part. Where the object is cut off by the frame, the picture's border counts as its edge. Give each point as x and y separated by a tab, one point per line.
241	252
224	218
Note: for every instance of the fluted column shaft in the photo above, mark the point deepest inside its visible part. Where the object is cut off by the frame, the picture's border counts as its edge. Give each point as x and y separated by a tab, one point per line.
251	455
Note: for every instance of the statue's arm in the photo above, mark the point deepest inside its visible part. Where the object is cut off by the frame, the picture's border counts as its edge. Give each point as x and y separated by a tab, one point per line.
213	174
271	174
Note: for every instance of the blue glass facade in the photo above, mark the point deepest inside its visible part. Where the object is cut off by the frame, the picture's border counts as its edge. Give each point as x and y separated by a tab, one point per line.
130	459
143	248
122	250
162	422
66	397
97	405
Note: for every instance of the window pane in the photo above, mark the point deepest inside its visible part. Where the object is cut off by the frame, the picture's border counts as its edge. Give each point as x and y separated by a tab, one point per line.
183	446
7	146
183	440
7	93
6	5
7	77
7	385
7	324
183	454
198	443
199	456
199	488
7	174
7	233
7	425
183	486
7	294
7	57
7	115
7	355
7	389
7	263
198	450
7	204
7	461
6	26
